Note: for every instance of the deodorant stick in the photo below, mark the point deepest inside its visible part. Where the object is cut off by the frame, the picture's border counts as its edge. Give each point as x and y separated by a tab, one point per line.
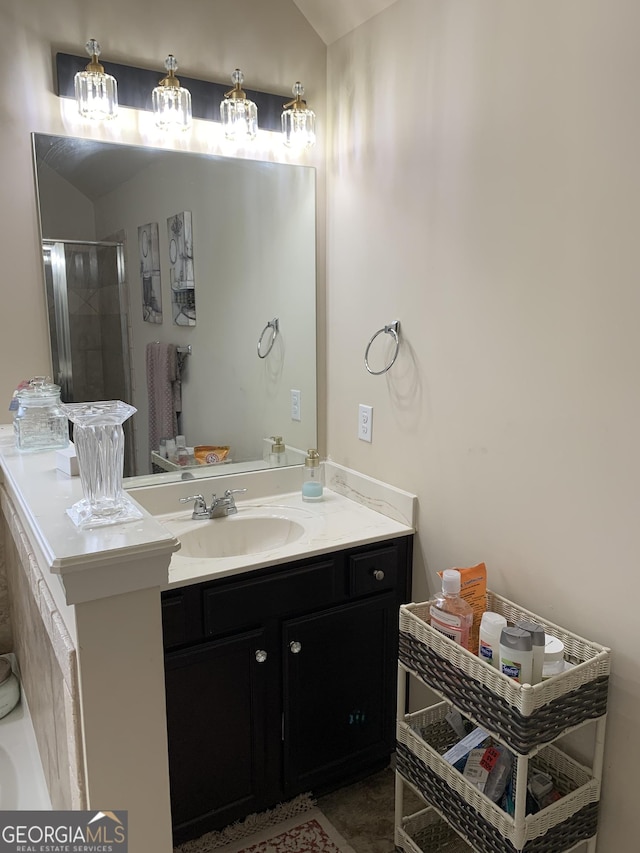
537	637
491	627
516	654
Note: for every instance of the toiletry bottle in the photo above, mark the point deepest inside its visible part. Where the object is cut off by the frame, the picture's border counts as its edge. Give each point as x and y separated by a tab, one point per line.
491	626
449	613
312	482
516	654
553	657
182	454
278	455
537	636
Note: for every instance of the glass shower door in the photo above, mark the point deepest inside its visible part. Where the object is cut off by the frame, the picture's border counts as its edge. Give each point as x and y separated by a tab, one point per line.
87	309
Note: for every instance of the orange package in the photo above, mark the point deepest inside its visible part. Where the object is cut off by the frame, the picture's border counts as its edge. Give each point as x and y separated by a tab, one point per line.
210	454
473	588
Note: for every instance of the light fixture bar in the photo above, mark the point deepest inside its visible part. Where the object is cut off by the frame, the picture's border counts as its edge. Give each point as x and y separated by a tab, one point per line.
135	86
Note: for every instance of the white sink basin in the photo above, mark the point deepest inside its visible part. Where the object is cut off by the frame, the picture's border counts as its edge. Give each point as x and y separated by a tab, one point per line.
238	535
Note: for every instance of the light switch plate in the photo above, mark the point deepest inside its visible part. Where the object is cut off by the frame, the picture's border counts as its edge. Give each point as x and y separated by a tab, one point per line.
365	422
296	414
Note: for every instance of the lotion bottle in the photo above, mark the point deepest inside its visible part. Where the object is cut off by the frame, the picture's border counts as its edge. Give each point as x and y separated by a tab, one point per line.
312	485
449	613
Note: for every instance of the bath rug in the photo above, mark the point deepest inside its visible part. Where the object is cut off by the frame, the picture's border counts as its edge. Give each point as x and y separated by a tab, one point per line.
293	826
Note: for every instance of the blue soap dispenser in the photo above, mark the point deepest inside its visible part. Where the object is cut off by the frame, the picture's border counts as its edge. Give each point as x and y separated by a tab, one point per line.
312	484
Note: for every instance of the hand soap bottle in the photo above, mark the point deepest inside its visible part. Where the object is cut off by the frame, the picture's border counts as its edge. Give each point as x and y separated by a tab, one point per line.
312	483
278	455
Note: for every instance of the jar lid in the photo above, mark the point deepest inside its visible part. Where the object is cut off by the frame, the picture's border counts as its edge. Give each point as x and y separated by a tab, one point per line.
5	670
39	388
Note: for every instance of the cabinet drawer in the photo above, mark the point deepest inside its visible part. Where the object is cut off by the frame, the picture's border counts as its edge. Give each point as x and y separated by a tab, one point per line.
373	571
246	603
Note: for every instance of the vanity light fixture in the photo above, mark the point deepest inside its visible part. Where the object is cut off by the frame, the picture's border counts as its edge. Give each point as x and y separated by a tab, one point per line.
96	92
298	121
171	101
238	114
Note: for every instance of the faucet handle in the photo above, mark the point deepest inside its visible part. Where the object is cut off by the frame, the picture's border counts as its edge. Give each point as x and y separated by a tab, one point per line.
200	502
230	492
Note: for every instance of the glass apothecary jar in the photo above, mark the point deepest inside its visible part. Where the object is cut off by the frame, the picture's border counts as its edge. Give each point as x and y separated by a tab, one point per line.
40	422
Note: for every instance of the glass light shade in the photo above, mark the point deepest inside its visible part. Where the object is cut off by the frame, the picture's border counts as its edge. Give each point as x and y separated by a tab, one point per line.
238	114
96	92
171	101
298	122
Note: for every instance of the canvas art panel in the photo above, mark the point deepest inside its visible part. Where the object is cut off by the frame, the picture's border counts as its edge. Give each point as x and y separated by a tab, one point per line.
181	275
149	249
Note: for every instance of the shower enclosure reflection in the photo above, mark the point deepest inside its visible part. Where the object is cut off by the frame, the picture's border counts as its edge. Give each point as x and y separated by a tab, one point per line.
87	310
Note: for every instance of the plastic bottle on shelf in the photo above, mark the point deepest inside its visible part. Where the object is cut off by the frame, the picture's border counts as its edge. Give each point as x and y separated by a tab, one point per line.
537	638
491	626
516	654
182	454
554	662
449	613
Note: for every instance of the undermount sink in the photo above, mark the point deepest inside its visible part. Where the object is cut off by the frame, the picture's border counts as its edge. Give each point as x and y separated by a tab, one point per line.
238	535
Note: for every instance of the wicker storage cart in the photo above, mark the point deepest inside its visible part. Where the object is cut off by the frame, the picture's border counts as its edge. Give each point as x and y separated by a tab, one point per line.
526	719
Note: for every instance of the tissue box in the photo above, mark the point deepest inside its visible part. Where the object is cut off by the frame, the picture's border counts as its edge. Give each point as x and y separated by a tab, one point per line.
67	461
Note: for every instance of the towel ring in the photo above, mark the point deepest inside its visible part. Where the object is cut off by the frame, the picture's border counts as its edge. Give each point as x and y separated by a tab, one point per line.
275	326
392	329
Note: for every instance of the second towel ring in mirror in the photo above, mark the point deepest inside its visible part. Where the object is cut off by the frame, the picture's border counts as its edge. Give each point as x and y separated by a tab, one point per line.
274	325
392	329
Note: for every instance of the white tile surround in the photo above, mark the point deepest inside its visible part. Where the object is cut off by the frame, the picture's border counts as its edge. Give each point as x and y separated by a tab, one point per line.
114	576
22	781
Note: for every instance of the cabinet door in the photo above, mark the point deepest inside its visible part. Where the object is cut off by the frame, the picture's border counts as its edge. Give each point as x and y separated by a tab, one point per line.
219	716
339	691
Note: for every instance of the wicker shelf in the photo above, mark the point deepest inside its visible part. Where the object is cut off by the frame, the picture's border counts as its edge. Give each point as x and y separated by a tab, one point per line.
524	718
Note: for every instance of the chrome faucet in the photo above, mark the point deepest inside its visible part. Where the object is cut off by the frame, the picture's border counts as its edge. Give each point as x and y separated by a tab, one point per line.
220	507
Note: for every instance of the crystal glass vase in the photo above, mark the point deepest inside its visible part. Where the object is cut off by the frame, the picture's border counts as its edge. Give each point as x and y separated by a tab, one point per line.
99	441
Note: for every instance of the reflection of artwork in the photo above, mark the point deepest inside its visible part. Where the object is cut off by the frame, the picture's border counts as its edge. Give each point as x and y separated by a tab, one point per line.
183	286
150	272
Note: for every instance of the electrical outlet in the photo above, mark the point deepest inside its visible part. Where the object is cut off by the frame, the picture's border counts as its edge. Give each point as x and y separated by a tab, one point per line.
296	414
365	422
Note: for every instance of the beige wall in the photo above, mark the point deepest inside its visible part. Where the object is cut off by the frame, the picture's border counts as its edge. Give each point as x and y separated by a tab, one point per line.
484	189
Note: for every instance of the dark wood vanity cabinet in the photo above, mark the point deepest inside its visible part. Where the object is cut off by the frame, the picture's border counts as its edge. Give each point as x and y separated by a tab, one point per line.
281	681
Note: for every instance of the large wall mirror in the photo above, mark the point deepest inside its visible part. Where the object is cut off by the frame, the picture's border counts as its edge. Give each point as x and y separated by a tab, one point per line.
185	281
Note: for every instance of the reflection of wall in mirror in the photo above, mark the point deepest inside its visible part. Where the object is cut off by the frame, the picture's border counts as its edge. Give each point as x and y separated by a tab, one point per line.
256	260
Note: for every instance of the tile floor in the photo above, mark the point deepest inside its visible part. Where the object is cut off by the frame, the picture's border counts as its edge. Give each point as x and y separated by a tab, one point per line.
363	813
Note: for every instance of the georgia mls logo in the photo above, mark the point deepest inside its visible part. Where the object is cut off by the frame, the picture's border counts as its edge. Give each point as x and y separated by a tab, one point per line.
63	832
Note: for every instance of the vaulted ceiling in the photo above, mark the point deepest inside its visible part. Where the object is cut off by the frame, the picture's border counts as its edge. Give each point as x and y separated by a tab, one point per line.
332	19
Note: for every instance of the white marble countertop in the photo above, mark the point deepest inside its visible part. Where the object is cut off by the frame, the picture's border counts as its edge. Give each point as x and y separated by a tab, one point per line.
140	554
334	523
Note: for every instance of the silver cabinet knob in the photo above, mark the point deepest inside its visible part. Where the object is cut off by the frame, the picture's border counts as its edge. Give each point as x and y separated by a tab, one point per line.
378	574
261	656
295	647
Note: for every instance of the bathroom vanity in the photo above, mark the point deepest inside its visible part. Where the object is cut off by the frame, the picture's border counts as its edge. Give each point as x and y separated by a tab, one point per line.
278	663
281	682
